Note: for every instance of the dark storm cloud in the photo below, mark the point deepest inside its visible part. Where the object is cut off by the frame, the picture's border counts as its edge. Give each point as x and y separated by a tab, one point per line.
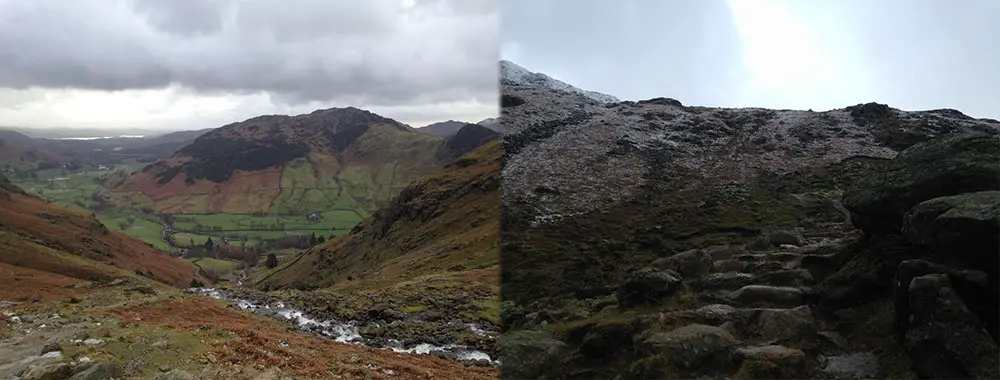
381	51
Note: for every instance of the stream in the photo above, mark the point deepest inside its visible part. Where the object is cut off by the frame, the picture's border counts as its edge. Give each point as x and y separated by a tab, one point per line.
348	332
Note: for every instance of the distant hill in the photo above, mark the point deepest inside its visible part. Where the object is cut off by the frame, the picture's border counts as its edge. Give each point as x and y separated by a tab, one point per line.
49	243
19	155
334	159
448	220
444	128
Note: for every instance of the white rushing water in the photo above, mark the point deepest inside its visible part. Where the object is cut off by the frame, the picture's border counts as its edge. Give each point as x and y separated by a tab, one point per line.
344	332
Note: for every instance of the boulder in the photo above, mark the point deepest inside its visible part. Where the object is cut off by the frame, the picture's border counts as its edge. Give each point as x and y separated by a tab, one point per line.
781	237
772	362
692	346
943	166
527	354
788	277
175	375
944	339
724	251
689	263
962	229
972	286
763	295
99	371
726	281
765	324
648	286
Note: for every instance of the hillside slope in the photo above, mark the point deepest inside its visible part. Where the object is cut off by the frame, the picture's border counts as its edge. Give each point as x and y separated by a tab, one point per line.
19	155
38	237
444	128
641	235
446	220
335	159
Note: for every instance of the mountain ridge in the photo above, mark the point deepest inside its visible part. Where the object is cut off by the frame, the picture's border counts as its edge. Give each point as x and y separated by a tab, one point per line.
338	158
512	74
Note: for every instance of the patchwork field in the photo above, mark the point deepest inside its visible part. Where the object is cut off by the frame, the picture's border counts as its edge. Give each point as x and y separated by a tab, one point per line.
333	212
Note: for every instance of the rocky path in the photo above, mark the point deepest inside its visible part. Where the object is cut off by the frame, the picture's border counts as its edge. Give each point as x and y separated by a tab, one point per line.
727	311
755	321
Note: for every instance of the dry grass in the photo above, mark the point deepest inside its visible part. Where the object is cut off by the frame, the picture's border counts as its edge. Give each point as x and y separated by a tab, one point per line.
241	338
48	238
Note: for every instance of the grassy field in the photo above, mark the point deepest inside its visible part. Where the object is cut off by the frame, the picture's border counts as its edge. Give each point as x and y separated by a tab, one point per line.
75	188
142	228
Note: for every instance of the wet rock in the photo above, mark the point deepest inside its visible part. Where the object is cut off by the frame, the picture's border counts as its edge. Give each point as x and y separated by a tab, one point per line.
690	263
692	346
384	312
48	372
764	324
788	277
771	362
962	229
99	371
729	265
759	267
527	354
944	339
944	166
714	314
607	339
725	251
971	286
726	281
175	375
648	286
822	266
779	237
763	295
859	365
759	243
51	347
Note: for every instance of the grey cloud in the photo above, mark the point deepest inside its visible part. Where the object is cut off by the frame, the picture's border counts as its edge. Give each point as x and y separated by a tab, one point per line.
298	50
631	49
911	54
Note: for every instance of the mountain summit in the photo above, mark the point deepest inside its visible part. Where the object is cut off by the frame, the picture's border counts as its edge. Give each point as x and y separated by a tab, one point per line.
513	75
332	159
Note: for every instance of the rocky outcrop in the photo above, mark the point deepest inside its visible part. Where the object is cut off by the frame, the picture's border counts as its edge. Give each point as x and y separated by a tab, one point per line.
528	354
940	167
944	339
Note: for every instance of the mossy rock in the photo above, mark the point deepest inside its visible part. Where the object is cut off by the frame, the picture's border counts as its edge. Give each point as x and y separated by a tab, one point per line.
944	166
963	229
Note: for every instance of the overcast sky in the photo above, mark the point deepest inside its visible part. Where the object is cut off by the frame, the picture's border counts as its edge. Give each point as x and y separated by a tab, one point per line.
188	64
786	54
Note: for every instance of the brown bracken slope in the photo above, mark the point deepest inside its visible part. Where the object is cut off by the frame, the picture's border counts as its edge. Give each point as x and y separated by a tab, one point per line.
48	244
446	222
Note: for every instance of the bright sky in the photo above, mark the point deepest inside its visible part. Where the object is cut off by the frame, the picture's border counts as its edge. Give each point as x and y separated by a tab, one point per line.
191	64
816	54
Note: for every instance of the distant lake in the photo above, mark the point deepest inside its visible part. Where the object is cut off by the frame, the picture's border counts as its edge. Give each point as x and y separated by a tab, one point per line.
98	138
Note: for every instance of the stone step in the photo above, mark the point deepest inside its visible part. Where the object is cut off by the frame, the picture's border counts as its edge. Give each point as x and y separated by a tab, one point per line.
755	267
768	296
735	280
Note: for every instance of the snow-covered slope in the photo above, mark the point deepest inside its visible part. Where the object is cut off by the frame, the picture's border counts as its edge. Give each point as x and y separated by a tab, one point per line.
513	75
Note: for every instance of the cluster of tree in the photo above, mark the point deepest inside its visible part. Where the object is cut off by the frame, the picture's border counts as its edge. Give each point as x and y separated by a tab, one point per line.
248	255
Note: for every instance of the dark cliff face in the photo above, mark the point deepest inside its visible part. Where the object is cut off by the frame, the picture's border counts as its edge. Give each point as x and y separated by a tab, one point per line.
467	139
